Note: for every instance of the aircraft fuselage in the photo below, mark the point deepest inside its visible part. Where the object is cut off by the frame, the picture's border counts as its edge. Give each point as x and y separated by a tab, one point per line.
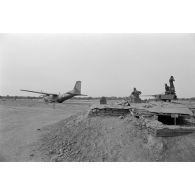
59	98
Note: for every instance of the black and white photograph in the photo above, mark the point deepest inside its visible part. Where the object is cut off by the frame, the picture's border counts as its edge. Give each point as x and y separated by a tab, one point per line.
97	97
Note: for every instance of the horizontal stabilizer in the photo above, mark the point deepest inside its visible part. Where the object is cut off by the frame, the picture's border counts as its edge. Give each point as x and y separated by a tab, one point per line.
83	95
76	94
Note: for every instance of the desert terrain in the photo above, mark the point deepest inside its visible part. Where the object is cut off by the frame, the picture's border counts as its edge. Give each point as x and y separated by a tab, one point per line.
31	130
21	120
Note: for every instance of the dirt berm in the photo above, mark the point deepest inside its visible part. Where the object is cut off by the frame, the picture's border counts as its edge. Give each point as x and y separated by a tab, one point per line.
81	138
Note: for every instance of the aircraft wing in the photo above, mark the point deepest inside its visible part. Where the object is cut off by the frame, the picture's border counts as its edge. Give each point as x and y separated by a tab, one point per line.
83	95
39	92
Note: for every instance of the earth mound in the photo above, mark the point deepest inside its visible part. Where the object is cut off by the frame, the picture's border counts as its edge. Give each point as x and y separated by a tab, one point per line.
111	139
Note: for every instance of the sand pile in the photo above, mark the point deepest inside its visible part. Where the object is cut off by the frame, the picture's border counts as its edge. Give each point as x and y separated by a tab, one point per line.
80	138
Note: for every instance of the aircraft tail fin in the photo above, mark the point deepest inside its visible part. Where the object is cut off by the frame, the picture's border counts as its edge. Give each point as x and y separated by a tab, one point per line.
77	87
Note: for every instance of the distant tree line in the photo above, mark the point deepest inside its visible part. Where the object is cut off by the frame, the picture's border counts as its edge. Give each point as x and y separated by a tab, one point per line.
97	98
18	97
77	98
193	98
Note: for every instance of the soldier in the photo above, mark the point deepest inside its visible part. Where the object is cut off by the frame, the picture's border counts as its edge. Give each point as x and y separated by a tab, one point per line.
135	95
172	87
167	89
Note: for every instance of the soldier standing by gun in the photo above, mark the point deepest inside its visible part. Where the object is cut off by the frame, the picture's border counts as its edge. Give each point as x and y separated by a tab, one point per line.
172	87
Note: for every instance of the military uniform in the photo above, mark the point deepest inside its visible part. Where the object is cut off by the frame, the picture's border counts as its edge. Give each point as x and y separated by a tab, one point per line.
172	87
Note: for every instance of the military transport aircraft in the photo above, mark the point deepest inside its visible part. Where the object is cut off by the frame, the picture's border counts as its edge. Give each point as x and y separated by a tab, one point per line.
59	98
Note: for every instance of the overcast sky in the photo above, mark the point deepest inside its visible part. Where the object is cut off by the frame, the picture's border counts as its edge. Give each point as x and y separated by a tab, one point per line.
107	64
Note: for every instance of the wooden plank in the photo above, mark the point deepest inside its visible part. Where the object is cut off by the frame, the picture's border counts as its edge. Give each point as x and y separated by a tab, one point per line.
167	132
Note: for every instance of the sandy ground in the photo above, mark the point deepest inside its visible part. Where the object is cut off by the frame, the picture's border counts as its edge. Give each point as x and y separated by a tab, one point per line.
33	131
20	121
